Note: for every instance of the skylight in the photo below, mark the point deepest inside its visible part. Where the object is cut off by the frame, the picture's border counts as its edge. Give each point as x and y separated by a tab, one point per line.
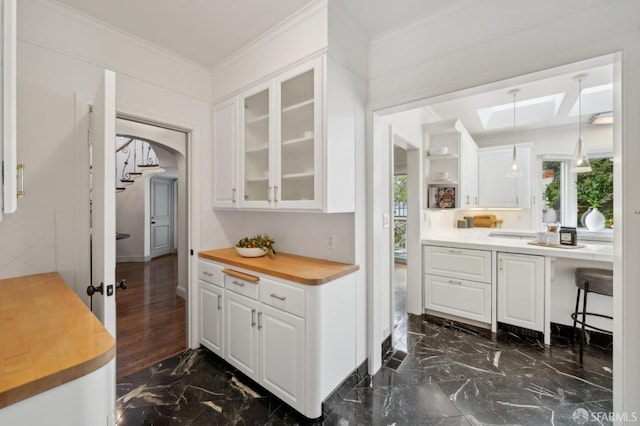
528	111
594	100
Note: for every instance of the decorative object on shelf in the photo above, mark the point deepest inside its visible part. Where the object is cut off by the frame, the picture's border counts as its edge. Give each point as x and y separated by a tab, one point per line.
462	223
568	236
435	152
515	167
441	176
595	220
595	191
447	197
580	162
486	221
256	246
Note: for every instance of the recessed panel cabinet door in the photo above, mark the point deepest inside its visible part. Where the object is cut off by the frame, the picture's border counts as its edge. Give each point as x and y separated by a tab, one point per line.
225	145
521	290
282	348
241	333
211	317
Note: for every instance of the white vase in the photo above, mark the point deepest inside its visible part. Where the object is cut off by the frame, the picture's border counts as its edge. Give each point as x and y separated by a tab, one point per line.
594	220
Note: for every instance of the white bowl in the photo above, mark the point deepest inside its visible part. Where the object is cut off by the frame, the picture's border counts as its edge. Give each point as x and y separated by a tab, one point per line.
250	252
438	151
441	176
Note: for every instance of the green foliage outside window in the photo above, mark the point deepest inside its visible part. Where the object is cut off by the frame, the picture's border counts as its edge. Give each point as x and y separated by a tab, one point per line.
595	189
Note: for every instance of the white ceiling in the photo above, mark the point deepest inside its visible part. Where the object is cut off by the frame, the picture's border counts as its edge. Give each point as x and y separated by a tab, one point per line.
209	31
562	110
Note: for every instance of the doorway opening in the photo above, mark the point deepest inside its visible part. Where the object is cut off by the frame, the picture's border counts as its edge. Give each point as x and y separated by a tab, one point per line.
400	210
152	225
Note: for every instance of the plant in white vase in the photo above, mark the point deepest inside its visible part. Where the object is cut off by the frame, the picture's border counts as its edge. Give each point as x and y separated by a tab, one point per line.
595	191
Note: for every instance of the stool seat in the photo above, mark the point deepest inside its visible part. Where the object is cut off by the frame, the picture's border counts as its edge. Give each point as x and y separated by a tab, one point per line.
600	280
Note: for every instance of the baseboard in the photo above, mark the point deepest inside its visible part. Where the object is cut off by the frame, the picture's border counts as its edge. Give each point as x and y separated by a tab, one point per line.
565	333
181	292
132	258
347	385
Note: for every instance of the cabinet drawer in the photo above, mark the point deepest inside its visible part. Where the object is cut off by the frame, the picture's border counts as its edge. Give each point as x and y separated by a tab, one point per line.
474	265
210	272
282	296
241	283
465	299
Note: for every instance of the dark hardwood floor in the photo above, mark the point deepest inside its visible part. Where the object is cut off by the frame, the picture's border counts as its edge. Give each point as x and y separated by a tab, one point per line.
150	316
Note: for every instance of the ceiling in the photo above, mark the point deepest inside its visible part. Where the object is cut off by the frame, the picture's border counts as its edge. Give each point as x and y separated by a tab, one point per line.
209	31
547	102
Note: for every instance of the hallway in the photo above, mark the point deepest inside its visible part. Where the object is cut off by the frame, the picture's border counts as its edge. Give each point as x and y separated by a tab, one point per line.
150	316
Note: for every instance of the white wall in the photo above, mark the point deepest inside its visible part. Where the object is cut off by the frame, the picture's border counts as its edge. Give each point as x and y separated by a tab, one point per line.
60	56
474	48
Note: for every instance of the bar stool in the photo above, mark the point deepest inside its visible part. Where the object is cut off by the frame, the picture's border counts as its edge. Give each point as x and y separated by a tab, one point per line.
590	280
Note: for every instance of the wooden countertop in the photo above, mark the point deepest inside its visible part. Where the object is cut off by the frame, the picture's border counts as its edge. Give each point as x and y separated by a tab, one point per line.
47	337
300	269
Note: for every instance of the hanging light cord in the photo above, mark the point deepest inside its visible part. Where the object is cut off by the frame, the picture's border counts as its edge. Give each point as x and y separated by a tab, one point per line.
580	114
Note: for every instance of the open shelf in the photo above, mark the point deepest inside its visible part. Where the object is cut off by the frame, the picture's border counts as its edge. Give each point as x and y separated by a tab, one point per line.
298	105
442	157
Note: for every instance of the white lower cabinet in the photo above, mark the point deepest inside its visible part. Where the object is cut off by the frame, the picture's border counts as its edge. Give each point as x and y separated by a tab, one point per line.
457	282
466	299
521	290
242	333
282	355
295	340
211	317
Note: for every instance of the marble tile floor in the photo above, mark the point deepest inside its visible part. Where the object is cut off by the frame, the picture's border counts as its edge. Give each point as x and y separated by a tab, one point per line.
450	375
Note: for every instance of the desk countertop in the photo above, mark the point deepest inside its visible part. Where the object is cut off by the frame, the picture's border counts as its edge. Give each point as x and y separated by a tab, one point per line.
48	337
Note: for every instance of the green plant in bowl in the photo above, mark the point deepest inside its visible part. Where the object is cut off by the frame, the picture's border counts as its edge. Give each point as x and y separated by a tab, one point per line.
263	242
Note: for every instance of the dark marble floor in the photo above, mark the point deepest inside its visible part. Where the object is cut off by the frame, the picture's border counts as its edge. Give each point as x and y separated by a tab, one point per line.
449	376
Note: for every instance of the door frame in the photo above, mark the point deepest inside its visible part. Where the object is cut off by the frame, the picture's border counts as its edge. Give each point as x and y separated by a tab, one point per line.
195	132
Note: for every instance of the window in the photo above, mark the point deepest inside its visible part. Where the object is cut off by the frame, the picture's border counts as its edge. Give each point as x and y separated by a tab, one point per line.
567	197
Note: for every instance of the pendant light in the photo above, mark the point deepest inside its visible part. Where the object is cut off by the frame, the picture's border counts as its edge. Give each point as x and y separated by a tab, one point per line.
515	170
580	162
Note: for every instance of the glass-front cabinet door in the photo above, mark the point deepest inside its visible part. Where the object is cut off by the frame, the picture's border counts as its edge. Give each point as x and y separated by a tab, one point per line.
298	136
256	146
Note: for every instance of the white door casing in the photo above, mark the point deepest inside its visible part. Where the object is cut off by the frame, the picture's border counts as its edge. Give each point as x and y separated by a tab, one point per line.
162	203
103	196
9	188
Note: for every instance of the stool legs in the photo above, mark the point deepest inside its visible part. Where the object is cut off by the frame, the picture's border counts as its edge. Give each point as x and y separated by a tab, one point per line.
575	316
584	319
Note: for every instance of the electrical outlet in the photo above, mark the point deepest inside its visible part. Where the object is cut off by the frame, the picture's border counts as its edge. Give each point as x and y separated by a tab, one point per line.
331	241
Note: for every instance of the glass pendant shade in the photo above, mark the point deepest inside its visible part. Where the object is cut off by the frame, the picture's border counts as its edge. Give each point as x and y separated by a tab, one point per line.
580	162
515	170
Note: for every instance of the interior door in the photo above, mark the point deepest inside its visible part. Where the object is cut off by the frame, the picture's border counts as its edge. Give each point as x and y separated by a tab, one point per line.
161	216
8	186
103	200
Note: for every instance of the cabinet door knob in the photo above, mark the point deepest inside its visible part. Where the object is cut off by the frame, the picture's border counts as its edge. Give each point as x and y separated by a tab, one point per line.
455	282
269	194
219	302
233	195
259	322
275	194
253	318
20	175
240	284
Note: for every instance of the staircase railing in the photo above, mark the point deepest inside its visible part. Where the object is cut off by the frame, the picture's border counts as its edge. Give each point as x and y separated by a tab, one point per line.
133	156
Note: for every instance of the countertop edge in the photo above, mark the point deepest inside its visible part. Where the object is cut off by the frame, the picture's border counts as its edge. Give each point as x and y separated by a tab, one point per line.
348	269
103	354
53	380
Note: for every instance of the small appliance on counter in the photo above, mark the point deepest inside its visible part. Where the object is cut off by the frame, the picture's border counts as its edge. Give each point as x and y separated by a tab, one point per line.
568	236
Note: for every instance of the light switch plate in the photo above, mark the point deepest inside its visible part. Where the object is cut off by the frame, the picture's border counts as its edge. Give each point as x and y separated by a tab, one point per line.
385	220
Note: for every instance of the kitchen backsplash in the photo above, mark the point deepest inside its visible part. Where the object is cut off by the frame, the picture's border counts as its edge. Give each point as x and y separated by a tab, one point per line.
446	219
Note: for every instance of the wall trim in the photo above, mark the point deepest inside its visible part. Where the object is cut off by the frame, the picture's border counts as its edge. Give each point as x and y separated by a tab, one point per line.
82	17
132	258
271	34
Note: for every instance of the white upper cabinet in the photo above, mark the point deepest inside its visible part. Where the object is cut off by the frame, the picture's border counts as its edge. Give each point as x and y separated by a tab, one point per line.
496	188
225	121
285	157
257	146
452	163
10	189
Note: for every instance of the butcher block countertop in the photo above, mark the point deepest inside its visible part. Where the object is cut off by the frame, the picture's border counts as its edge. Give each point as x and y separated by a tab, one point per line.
300	269
48	337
